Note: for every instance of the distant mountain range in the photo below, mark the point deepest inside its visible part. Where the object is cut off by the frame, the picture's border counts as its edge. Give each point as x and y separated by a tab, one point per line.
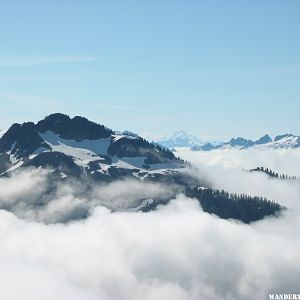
78	150
284	141
183	139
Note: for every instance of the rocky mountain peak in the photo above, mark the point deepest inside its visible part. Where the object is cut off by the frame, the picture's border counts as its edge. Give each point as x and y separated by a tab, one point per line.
77	128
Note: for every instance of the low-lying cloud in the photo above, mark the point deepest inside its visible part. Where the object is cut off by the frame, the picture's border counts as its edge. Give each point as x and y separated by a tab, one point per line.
32	194
176	252
225	169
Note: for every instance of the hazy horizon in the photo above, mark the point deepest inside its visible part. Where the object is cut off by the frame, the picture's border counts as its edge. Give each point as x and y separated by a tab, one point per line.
155	136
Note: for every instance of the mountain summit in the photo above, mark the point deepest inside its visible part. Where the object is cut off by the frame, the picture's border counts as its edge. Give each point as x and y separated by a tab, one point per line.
183	139
82	147
180	139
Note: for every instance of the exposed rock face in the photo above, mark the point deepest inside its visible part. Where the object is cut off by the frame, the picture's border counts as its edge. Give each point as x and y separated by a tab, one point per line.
77	128
78	146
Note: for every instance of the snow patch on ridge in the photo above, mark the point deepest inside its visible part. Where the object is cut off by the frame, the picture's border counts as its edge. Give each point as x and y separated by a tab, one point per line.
96	147
83	152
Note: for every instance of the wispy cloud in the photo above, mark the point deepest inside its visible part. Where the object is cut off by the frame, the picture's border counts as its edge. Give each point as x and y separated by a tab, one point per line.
27	61
21	98
36	104
114	107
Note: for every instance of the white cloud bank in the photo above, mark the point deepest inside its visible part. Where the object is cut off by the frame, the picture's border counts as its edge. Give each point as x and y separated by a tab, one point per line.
224	169
177	252
32	195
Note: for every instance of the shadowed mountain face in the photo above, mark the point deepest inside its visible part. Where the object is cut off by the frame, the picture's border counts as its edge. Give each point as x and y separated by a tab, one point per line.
78	150
78	128
264	140
21	140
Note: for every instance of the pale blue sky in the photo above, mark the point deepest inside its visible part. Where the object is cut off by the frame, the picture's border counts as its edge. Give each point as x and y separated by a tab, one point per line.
217	68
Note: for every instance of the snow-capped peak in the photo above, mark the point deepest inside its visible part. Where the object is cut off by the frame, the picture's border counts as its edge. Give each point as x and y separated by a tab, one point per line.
180	139
79	147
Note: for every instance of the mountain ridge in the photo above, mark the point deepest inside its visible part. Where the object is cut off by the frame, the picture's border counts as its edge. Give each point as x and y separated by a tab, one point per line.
87	142
183	139
77	151
283	141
